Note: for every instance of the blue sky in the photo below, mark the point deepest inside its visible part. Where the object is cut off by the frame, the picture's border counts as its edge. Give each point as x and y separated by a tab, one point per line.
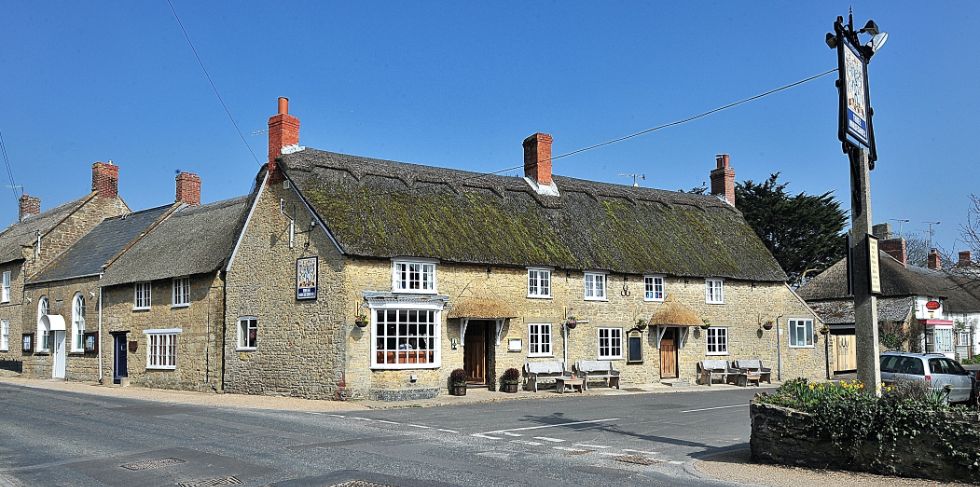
461	84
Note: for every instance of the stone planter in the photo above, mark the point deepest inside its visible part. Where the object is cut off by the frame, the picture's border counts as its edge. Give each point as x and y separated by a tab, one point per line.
457	389
510	388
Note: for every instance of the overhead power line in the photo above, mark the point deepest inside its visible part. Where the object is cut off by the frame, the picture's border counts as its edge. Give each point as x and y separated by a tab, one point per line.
211	81
10	172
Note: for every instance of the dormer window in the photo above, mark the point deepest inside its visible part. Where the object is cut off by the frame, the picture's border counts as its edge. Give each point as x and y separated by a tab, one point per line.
413	277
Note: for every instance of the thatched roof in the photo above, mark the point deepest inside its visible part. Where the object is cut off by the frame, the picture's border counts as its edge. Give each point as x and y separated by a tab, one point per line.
488	309
674	313
385	209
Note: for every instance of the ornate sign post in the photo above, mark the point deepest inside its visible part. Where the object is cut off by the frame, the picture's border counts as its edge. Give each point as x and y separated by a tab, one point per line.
856	133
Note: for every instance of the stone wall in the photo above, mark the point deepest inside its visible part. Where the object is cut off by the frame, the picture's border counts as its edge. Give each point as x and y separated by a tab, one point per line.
781	436
300	349
198	343
79	366
11	311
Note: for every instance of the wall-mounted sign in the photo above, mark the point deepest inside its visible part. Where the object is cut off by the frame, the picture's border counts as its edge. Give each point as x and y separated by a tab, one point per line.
874	276
27	344
91	342
932	305
514	345
133	346
634	349
306	277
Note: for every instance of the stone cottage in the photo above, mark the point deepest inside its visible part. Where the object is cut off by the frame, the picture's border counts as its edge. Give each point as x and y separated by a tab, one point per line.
27	247
362	277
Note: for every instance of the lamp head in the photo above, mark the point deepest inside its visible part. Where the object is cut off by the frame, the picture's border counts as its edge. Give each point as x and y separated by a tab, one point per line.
831	40
877	41
870	28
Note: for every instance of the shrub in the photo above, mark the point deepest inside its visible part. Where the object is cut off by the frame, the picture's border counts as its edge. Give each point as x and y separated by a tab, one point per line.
457	377
511	376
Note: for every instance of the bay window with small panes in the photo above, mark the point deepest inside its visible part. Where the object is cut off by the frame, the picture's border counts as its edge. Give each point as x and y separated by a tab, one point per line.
405	337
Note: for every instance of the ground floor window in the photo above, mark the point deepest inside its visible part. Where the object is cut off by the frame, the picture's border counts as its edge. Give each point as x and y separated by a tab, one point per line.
801	333
4	335
610	343
539	340
942	340
161	349
717	339
404	338
248	330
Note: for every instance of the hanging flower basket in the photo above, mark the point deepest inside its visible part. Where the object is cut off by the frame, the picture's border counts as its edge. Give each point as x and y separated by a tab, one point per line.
570	323
641	324
767	325
705	324
361	321
824	330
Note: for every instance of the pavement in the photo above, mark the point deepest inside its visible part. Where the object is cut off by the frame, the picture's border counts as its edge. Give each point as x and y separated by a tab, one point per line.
58	433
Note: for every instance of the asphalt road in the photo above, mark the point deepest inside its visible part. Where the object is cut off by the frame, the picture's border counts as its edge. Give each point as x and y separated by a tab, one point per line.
56	438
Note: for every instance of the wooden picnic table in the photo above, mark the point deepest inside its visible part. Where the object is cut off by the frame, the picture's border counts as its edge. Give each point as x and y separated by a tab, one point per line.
573	382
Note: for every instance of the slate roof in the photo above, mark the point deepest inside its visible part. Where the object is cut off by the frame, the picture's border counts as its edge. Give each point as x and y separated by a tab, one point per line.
22	233
384	209
961	293
93	251
841	312
193	240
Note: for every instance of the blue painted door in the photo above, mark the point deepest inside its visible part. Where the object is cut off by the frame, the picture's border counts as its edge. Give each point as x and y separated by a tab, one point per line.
119	367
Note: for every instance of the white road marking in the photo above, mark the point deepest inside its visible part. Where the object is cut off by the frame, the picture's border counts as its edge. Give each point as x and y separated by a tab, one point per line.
676	462
716	407
448	431
385	421
336	415
315	413
361	419
525	442
545	438
565	448
419	426
510	434
481	435
586	445
529	428
610	454
641	451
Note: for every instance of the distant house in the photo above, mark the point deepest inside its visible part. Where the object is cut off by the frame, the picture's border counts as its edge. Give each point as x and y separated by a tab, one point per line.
919	308
373	278
38	239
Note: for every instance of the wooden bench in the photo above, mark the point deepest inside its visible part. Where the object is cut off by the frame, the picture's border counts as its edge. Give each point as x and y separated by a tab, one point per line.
708	370
598	369
536	371
754	366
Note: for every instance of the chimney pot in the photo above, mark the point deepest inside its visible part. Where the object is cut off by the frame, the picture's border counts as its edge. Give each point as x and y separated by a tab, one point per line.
934	262
188	188
105	179
966	258
283	132
537	158
283	105
29	206
723	179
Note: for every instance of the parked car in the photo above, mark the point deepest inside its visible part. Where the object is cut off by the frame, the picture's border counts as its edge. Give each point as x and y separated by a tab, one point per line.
933	368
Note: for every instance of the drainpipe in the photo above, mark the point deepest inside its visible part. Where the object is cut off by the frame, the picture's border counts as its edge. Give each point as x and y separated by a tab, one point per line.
826	353
100	336
564	347
779	349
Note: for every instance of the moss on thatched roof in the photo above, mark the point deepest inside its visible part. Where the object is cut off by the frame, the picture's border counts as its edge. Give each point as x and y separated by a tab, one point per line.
386	209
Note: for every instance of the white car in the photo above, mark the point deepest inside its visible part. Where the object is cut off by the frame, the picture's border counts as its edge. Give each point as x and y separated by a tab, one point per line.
933	368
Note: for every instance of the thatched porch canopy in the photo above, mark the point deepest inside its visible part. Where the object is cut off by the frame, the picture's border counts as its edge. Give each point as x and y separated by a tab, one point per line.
481	309
673	313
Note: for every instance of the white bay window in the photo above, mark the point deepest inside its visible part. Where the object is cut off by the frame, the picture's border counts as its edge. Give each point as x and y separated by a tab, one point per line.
405	336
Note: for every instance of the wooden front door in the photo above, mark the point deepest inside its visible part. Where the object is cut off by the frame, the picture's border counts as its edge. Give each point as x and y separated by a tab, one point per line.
475	352
668	354
846	353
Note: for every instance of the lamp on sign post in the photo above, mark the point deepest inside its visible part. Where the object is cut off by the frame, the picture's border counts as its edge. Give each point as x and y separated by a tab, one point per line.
856	134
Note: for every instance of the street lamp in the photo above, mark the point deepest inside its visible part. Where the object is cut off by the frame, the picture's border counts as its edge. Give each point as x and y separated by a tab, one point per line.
856	134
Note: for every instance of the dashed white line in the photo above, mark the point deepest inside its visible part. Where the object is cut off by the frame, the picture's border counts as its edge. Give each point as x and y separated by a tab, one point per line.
586	445
565	448
610	454
419	426
361	419
481	435
448	431
525	442
545	438
315	413
716	407
510	434
385	421
641	451
676	462
337	415
528	428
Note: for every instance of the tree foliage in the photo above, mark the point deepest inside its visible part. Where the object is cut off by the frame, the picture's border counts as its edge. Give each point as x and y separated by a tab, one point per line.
804	232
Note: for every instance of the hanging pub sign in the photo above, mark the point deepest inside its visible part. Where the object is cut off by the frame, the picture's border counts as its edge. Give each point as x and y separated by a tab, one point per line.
874	276
306	277
855	127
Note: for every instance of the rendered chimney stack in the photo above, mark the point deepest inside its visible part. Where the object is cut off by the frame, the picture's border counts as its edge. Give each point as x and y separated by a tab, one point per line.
537	158
965	258
896	248
105	179
283	132
29	206
188	188
723	179
934	262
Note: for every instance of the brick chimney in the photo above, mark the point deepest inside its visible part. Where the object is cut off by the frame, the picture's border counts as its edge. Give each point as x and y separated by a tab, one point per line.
723	179
934	262
105	179
537	158
882	230
30	206
283	132
188	188
896	248
966	258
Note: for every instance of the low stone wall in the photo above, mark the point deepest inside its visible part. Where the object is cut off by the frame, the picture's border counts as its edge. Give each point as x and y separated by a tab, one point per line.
782	436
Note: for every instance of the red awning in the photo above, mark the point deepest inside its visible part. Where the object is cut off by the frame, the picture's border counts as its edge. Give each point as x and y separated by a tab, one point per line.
936	322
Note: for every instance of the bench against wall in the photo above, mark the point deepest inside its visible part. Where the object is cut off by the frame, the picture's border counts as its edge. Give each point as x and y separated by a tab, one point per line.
598	369
536	371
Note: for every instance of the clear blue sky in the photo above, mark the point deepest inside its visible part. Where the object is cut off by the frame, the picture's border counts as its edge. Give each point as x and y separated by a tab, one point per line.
460	84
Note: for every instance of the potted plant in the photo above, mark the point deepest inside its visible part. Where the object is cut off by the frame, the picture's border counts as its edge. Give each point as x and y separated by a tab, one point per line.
361	321
570	323
767	325
510	380
457	382
706	323
641	324
824	329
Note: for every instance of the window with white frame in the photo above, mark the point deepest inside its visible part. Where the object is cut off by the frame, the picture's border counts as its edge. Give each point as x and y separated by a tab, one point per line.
539	340
141	295
161	348
43	330
717	339
538	283
78	323
610	343
182	291
4	335
714	291
800	333
963	338
248	332
413	277
5	290
405	338
653	288
595	286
